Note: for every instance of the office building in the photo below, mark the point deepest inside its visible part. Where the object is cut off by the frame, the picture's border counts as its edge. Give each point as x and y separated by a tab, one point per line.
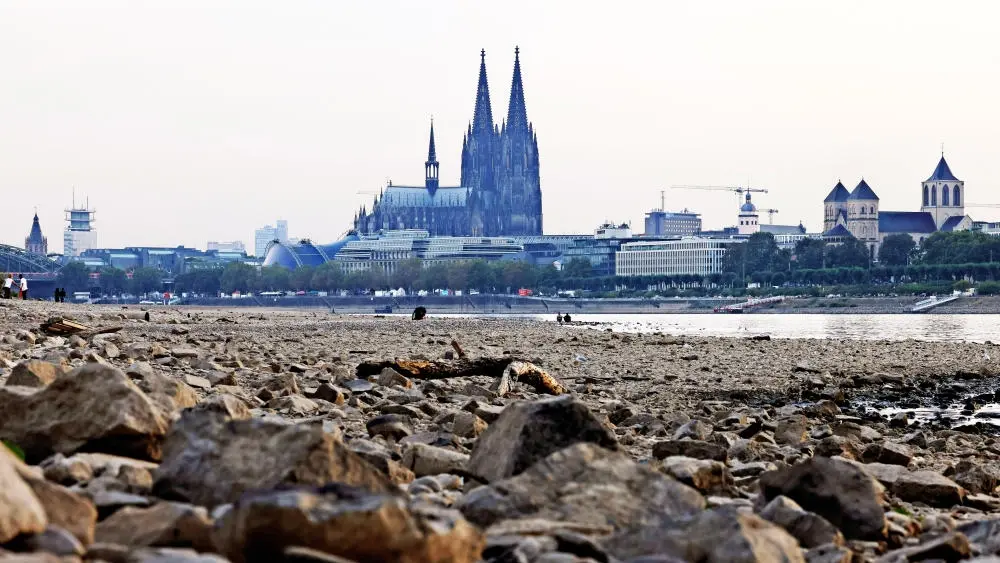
688	255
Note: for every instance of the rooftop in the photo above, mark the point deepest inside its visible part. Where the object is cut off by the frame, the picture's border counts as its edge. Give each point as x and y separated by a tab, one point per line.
942	173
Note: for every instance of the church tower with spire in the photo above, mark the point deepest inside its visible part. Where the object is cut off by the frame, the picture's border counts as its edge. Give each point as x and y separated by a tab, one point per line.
943	195
479	151
519	185
35	243
431	166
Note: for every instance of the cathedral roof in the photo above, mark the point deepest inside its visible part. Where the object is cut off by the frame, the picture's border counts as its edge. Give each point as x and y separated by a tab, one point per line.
942	173
952	223
419	196
906	222
838	231
862	192
517	114
35	236
482	119
837	194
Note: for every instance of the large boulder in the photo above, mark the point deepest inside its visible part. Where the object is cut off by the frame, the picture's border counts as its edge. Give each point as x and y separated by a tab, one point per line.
170	394
527	432
347	522
209	459
844	494
64	508
165	524
94	406
812	530
20	511
591	488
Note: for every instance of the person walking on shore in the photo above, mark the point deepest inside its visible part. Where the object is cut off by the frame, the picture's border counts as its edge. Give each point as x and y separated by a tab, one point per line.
7	283
24	287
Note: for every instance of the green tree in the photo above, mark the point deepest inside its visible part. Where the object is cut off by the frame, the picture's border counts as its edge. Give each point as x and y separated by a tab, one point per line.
274	278
481	276
458	276
238	276
145	280
851	253
407	273
301	278
895	250
578	268
74	276
809	253
329	276
759	253
204	280
518	274
113	281
434	276
959	247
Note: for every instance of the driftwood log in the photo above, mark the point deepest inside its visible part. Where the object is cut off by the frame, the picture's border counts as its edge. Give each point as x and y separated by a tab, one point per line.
504	371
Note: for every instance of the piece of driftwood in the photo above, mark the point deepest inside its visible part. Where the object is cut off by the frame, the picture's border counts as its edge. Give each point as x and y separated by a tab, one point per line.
458	349
505	371
59	326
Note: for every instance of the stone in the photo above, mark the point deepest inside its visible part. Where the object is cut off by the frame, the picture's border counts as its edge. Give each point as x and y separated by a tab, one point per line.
171	555
358	386
392	426
66	509
829	553
589	486
527	432
693	429
170	394
294	404
331	393
390	377
811	530
423	460
468	425
165	524
94	406
705	475
34	373
279	386
724	534
842	493
953	546
346	522
792	430
67	471
184	352
197	382
54	540
697	449
209	459
20	510
838	446
929	488
975	477
227	405
983	535
889	453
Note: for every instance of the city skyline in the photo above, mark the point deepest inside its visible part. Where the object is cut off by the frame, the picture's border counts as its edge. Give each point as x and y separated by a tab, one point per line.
211	137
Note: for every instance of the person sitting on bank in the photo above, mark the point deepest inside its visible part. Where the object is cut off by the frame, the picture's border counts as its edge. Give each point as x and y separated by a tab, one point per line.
559	318
566	318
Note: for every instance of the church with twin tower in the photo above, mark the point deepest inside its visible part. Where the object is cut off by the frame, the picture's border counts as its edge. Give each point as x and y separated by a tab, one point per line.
500	191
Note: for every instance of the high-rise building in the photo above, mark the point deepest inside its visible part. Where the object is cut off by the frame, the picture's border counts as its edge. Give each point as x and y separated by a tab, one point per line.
36	243
263	237
667	223
281	230
80	234
499	192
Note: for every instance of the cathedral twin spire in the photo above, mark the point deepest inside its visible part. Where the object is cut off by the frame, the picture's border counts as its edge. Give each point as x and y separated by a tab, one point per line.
517	113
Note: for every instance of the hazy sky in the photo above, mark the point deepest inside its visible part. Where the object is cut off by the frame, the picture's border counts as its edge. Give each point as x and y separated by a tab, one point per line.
188	121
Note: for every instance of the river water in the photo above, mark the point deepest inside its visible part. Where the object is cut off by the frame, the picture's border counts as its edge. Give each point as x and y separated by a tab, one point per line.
938	328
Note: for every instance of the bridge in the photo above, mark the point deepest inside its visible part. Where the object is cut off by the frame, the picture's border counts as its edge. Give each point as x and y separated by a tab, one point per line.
40	270
932	302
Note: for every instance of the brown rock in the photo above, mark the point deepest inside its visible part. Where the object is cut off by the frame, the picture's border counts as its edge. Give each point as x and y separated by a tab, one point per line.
888	452
928	487
792	430
65	509
210	460
346	522
529	431
279	386
468	425
166	524
811	530
842	493
170	394
226	405
331	393
725	535
294	404
94	406
585	485
390	377
424	459
20	510
705	475
697	449
34	373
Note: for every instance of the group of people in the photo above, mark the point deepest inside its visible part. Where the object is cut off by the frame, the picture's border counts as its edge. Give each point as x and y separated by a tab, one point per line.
20	286
561	318
59	295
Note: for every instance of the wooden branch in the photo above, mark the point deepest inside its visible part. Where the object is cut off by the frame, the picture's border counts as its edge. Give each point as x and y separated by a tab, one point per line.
435	369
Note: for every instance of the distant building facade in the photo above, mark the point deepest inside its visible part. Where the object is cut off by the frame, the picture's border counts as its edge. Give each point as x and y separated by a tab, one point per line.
857	213
231	246
267	234
660	223
499	193
688	255
35	243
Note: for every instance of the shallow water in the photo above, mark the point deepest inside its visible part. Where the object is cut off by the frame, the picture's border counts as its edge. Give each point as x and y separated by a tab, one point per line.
934	328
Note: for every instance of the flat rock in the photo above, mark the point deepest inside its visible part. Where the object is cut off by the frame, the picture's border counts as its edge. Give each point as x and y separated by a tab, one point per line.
841	492
698	449
424	459
165	524
527	432
209	459
346	522
587	485
94	406
705	475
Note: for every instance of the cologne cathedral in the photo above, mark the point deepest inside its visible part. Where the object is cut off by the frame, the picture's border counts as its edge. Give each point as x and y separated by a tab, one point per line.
499	193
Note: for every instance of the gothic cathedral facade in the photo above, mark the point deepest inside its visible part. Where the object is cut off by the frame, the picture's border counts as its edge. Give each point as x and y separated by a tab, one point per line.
500	190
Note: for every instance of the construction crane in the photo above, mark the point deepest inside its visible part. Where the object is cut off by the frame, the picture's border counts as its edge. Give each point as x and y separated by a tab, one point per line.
770	215
738	190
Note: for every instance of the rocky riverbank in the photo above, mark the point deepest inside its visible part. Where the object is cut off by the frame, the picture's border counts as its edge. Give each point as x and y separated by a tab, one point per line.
247	436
